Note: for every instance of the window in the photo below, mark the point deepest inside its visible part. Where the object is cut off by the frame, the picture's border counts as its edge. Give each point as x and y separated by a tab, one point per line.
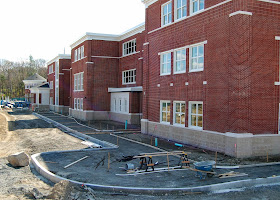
82	52
81	104
196	114
181	9
165	111
196	5
79	53
165	66
166	13
51	85
196	58
76	55
75	103
51	69
129	47
179	113
79	81
129	76
180	61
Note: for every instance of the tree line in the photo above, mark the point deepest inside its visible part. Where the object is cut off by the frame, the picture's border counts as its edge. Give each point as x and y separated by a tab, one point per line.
13	73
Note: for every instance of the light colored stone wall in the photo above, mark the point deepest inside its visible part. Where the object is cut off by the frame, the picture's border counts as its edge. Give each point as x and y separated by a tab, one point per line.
132	118
237	145
61	109
86	115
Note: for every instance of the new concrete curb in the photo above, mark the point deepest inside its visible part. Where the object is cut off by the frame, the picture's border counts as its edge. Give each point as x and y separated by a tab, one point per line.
160	191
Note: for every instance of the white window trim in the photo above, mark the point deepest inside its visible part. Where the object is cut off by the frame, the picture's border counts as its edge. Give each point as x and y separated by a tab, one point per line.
51	84
51	69
81	104
191	8
78	84
190	112
176	9
190	58
162	7
174	111
123	50
161	58
164	101
174	61
123	78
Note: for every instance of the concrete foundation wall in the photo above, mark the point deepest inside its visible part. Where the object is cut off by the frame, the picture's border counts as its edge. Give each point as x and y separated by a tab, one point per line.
132	118
237	145
61	109
89	115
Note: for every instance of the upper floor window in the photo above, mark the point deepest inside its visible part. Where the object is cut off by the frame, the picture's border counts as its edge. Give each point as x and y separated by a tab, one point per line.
165	65
197	58
129	76
166	13
79	81
180	61
181	9
196	5
51	69
129	47
79	53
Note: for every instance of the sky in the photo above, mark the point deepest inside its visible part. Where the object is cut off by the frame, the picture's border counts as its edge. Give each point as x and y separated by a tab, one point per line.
44	28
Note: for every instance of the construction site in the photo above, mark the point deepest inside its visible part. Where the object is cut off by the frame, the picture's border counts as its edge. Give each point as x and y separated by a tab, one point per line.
68	159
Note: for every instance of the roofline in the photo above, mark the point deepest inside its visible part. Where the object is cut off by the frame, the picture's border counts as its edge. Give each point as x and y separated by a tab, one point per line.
109	37
58	57
148	2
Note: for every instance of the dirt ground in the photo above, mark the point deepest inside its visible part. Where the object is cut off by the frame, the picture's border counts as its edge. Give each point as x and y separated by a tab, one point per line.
35	136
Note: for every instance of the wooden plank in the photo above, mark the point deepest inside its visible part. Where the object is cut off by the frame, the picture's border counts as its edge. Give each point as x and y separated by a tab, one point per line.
75	162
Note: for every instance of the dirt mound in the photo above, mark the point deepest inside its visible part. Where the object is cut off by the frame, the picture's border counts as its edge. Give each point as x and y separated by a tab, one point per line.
65	190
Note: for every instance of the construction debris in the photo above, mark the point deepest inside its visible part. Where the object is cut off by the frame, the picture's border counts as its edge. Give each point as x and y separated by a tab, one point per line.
75	162
232	174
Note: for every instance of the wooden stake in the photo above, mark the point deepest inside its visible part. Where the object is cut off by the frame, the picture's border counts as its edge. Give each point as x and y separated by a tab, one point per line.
108	161
167	161
117	141
151	141
75	162
216	155
266	156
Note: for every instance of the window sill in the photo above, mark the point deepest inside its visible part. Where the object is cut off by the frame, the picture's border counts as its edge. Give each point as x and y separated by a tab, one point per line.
129	83
179	125
180	19
164	25
197	70
130	54
78	90
79	59
196	12
165	74
182	72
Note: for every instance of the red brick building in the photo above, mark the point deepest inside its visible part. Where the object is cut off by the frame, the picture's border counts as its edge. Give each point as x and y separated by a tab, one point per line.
106	80
59	82
198	72
211	74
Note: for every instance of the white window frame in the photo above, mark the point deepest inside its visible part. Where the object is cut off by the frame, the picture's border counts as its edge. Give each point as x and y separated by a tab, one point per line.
191	69
175	61
50	69
161	111
163	22
129	50
78	103
79	81
82	52
81	104
180	113
176	9
79	53
196	114
167	63
199	9
75	103
131	77
76	55
51	84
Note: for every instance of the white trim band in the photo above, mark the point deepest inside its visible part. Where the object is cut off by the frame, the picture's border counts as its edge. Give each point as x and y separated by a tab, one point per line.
126	89
270	1
277	37
240	13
